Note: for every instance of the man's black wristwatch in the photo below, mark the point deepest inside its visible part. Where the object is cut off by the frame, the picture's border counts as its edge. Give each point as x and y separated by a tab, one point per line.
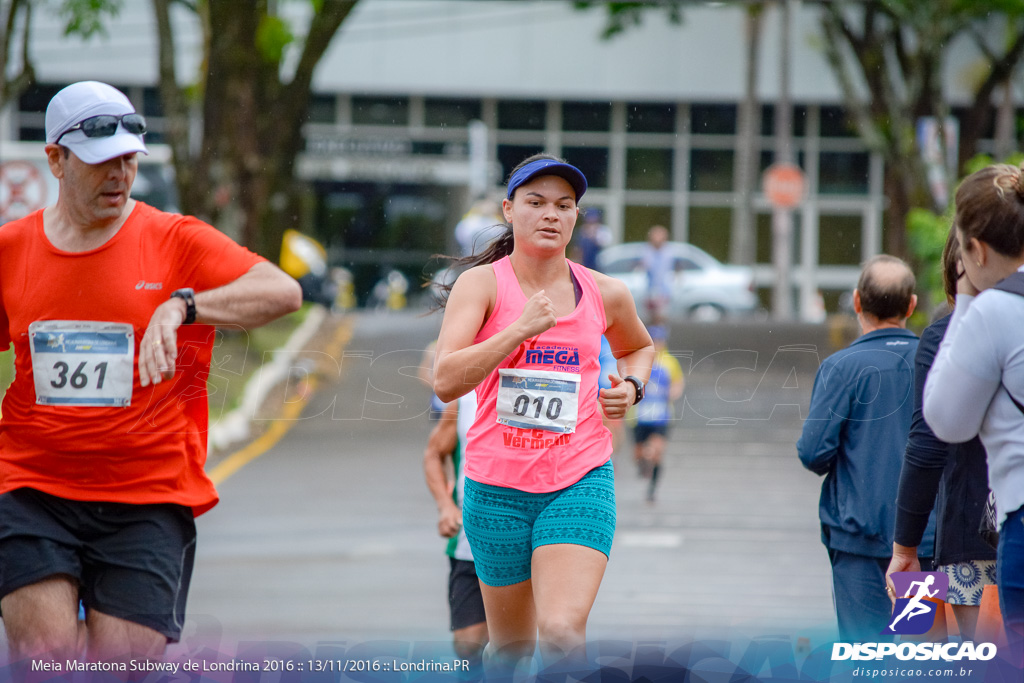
187	295
635	381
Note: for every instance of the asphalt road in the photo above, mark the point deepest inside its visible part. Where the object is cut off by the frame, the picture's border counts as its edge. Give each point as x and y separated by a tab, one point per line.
325	546
330	537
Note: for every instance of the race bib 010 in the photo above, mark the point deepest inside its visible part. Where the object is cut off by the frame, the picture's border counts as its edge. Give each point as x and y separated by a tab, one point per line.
82	363
538	399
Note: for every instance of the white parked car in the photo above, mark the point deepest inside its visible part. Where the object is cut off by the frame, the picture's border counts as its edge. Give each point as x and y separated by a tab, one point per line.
703	289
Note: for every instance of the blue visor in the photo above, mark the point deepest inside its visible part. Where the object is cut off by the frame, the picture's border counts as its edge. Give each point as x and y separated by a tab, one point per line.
541	167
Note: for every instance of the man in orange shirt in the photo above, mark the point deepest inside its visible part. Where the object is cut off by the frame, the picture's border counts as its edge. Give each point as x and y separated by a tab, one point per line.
109	304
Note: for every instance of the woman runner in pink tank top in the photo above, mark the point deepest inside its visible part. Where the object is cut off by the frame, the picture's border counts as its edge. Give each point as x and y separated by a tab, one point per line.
523	328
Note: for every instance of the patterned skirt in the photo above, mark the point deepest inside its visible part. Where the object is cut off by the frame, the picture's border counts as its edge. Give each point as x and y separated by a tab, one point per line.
967	579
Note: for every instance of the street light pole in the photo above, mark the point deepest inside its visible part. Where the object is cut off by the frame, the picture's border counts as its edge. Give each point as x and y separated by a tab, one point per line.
782	217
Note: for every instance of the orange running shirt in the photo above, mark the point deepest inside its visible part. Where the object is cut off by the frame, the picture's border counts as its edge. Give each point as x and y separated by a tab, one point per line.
153	450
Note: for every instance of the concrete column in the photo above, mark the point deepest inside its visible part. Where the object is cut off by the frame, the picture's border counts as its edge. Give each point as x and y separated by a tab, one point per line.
615	207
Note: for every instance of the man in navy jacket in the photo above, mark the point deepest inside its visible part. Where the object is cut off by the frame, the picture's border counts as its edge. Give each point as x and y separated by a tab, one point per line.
855	435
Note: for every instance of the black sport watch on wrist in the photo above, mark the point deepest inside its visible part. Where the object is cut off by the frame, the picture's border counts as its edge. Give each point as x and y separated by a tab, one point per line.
638	385
188	295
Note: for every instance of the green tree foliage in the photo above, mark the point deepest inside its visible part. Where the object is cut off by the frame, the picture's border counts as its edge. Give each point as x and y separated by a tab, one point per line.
622	15
85	18
888	56
239	173
927	231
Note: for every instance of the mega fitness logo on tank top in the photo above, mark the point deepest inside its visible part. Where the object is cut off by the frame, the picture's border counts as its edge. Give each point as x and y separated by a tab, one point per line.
556	357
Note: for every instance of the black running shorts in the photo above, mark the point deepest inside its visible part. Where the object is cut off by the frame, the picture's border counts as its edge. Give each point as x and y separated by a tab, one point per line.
465	602
133	562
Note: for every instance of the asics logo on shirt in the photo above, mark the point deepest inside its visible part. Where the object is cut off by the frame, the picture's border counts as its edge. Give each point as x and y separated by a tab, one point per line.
142	284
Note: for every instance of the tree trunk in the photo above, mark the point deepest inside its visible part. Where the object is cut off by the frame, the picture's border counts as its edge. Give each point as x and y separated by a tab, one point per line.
11	88
742	245
894	231
974	123
1005	122
284	206
901	88
253	121
192	178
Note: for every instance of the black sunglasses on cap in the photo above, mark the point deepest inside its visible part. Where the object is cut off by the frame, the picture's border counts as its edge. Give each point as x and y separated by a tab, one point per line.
105	125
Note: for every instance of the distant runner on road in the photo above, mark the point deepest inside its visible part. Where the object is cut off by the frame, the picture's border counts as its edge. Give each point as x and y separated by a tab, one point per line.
466	604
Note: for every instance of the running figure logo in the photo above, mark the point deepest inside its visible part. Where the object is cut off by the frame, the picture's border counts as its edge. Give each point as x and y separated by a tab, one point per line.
913	613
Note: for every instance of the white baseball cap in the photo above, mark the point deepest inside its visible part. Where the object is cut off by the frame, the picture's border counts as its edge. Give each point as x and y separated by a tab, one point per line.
83	100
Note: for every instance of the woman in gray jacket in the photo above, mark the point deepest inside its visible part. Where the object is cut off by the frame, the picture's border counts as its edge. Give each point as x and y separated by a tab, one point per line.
976	384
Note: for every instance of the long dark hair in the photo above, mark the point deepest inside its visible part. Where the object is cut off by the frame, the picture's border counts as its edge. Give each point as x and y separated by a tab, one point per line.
498	248
951	266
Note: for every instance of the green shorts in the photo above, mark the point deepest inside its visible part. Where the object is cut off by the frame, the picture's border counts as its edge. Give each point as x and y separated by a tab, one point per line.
505	525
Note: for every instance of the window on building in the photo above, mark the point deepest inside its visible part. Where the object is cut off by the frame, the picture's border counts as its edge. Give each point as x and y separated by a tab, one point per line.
450	112
35	99
767	158
522	114
323	109
836	124
30	133
32	105
799	120
651	118
709	229
840	240
414	221
843	172
640	218
154	133
648	169
711	170
429	147
713	119
586	116
152	103
509	157
380	111
593	161
153	110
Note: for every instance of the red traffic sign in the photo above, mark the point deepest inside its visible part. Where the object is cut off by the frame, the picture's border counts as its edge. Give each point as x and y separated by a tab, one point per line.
22	190
783	185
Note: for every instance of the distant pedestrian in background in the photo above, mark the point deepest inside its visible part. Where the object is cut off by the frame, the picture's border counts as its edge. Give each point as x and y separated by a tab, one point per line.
660	271
447	441
592	237
654	416
481	224
855	435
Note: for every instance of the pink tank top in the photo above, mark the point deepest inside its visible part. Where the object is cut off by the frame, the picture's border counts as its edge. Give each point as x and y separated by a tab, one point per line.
538	422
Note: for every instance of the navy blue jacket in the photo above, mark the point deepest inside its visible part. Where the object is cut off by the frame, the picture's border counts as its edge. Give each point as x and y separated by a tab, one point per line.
855	435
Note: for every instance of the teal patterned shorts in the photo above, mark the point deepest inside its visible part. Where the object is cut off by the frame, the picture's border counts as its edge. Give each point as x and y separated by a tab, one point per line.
505	525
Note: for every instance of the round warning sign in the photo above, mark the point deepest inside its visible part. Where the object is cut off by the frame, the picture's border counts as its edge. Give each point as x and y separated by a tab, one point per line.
784	185
22	190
